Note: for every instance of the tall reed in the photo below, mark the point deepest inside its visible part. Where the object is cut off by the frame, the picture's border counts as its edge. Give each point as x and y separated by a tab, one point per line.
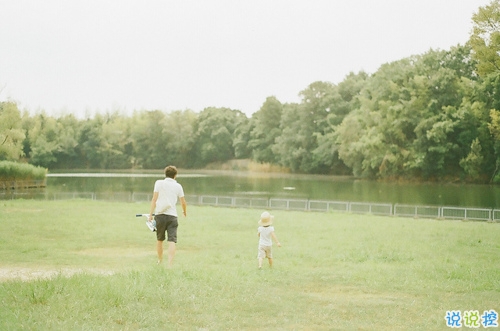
21	171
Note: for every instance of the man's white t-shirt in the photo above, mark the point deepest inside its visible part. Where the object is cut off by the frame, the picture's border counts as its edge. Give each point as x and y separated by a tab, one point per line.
168	191
265	235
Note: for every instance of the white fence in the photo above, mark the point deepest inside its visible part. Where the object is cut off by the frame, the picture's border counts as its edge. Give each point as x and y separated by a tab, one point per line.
457	213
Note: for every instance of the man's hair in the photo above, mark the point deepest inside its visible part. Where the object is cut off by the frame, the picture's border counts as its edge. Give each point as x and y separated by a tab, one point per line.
170	172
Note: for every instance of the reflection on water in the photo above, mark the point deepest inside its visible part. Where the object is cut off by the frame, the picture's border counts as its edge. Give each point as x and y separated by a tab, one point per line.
280	185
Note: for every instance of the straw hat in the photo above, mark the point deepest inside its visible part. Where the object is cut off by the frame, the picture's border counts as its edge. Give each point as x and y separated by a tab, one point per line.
266	219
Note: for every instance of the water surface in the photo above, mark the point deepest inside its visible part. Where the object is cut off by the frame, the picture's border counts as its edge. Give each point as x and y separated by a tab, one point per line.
285	186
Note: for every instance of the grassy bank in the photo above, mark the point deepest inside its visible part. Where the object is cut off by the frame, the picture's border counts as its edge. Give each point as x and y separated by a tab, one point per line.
90	265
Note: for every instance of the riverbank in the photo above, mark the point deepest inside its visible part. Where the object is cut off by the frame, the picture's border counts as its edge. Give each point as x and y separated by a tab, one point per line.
22	184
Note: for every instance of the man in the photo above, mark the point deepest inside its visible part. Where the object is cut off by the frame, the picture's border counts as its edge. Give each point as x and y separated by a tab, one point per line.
165	194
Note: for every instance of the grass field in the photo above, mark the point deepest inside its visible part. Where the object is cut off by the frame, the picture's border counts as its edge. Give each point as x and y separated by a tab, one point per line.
91	265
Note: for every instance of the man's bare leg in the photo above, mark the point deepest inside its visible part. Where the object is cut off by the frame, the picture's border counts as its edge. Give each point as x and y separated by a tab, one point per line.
171	253
159	250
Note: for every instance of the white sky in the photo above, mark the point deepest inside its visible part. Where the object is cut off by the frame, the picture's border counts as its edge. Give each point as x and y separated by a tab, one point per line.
104	55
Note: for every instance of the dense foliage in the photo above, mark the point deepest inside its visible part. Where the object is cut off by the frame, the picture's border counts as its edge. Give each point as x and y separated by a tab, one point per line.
14	171
429	116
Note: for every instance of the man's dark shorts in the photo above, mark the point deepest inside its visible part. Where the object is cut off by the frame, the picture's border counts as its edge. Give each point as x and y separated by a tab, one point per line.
166	223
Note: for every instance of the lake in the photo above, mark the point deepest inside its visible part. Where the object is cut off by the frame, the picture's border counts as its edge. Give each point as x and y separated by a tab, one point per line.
289	186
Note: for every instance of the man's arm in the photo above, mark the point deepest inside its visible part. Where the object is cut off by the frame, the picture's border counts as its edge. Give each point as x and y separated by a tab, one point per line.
153	205
184	206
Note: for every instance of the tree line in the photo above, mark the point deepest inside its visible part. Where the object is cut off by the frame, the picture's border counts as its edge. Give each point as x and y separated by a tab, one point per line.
430	116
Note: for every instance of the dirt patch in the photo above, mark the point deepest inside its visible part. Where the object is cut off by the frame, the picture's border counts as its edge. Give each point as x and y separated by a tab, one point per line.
28	274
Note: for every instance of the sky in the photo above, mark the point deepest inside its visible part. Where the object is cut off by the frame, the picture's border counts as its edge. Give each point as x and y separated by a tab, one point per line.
85	57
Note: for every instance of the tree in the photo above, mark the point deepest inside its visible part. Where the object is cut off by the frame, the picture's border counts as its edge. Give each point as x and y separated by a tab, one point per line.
288	145
69	154
413	118
116	143
360	142
485	97
485	38
43	137
149	141
11	132
266	129
488	91
373	137
214	135
178	129
89	141
241	138
345	99
494	128
472	163
301	125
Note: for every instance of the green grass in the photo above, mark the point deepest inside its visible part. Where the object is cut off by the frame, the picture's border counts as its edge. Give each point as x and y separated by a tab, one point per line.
334	271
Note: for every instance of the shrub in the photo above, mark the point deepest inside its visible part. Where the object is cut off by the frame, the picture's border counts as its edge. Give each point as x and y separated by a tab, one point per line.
21	171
